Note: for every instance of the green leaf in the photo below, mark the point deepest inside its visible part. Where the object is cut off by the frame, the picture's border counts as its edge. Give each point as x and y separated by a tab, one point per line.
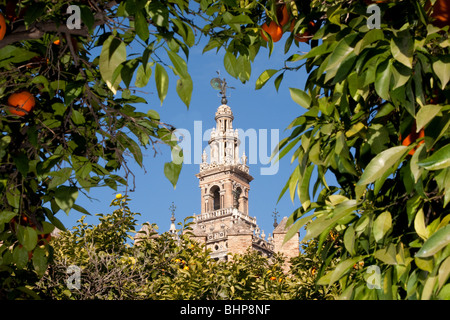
87	17
419	225
264	77
184	89
381	163
13	54
442	69
230	64
39	261
172	172
154	115
6	216
33	12
13	197
157	11
278	80
304	187
127	71
185	31
65	197
349	240
143	75
444	294
59	177
27	236
342	268
244	67
141	25
339	54
21	162
425	115
20	256
438	160
383	79
324	222
382	225
402	48
179	64
113	54
77	117
435	242
300	97
55	221
162	82
444	272
387	255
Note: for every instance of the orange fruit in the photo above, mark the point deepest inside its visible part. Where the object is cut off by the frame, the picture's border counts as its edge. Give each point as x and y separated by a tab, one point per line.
21	103
2	27
282	15
57	42
441	13
273	29
412	137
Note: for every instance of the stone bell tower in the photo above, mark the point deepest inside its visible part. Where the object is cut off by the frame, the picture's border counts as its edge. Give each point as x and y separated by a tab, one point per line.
224	224
225	180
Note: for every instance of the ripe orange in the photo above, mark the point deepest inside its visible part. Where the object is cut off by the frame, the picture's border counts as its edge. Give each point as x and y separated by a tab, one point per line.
21	103
441	13
57	42
2	26
412	137
282	15
275	31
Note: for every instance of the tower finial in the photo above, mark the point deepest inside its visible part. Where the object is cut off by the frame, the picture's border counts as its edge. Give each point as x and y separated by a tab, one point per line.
275	215
172	208
221	84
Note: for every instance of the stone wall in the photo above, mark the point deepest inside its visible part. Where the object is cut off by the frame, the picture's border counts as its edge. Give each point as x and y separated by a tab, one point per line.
239	243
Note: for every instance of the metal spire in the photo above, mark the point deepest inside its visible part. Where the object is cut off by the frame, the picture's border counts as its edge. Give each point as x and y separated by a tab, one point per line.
275	215
172	219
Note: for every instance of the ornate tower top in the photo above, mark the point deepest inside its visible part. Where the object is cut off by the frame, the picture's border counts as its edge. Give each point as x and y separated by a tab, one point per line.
173	228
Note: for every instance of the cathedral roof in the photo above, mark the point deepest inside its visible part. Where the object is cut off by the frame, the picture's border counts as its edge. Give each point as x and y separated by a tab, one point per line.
281	227
239	228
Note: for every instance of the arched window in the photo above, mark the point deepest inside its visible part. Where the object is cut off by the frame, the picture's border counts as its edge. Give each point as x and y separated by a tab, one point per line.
237	195
215	191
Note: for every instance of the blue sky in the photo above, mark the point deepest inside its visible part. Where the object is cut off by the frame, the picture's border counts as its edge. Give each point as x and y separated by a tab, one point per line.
252	109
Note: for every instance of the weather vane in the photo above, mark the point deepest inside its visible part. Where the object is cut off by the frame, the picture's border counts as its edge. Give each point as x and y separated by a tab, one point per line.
172	209
275	215
221	84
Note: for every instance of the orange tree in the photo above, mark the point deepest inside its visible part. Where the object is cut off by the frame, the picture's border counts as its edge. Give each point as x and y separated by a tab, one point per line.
377	119
162	266
73	59
366	89
370	87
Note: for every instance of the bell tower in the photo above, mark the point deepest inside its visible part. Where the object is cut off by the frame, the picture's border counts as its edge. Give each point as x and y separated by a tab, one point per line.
224	225
225	179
